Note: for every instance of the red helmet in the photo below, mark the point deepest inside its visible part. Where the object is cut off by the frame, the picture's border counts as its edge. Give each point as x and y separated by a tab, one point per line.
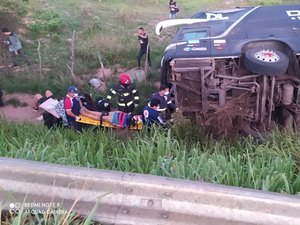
124	78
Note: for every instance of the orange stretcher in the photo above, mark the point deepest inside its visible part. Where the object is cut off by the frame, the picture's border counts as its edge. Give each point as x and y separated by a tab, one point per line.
87	120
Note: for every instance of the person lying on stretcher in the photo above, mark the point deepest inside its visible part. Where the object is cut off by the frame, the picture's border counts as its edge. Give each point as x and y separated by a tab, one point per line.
116	118
124	120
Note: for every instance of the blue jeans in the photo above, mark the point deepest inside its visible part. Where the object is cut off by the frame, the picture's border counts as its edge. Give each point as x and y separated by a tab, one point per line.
173	15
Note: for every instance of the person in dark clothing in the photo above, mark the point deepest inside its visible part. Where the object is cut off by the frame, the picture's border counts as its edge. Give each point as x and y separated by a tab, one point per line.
14	47
50	120
163	95
151	115
128	97
173	9
72	105
144	47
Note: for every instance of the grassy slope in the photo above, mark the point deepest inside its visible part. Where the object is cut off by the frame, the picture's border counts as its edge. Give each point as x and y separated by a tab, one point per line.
103	28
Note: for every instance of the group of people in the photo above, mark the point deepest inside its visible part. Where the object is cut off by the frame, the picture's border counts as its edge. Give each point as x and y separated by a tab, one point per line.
143	37
128	98
72	106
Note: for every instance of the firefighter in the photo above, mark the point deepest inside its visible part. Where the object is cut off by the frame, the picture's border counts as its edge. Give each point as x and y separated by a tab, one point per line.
128	98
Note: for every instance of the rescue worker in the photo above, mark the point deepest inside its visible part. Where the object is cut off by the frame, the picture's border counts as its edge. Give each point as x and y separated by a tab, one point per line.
151	114
73	106
163	95
128	98
166	105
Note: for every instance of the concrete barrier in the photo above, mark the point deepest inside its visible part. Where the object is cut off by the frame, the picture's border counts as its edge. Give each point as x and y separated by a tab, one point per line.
137	199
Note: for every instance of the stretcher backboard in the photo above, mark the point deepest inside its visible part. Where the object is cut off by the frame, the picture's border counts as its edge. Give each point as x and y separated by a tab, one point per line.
87	120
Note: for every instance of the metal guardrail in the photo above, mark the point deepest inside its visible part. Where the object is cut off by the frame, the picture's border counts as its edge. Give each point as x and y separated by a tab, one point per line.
136	199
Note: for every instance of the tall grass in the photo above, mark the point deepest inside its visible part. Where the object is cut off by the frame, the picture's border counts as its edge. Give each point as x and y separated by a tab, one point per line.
56	218
271	166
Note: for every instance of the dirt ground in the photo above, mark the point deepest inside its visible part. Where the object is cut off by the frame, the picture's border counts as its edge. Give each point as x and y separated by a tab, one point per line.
20	112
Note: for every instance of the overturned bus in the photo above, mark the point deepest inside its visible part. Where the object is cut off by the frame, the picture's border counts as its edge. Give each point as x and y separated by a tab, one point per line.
243	62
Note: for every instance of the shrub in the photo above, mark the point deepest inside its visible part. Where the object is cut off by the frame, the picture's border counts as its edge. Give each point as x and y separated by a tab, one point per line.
47	22
11	13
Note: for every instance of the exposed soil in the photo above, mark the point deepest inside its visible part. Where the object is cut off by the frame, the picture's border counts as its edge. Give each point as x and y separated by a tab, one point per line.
19	107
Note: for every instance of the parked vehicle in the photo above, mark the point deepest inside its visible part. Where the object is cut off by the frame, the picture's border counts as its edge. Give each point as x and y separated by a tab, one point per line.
246	57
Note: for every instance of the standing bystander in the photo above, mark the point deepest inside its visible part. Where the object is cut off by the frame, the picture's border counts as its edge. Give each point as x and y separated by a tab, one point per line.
173	9
14	47
144	47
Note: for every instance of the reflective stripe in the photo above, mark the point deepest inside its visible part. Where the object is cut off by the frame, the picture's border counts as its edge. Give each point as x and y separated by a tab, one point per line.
161	110
126	94
136	98
113	91
108	97
127	104
133	91
161	120
169	102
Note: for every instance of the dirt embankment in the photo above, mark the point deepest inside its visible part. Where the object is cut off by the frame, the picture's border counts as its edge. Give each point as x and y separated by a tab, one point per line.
19	107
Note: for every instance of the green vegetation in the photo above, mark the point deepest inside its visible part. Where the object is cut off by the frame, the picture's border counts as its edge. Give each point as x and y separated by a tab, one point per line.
28	218
103	28
46	22
179	153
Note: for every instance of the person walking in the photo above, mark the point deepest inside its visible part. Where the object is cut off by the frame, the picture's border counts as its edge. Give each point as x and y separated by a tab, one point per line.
14	47
128	97
144	47
173	9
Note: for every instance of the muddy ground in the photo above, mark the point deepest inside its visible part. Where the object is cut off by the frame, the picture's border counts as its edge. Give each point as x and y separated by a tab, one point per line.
19	107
